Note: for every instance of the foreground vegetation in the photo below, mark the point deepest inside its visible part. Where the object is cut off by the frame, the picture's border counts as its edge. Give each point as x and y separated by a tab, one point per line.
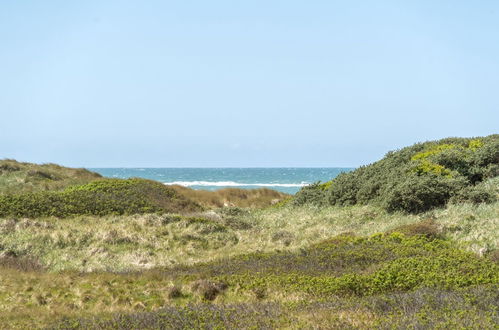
410	241
281	267
348	281
137	242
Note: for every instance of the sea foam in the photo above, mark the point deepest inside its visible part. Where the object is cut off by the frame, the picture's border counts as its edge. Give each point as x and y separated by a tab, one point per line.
233	184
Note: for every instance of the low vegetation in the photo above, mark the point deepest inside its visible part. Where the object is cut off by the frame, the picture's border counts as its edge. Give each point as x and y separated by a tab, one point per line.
369	274
418	178
102	197
411	241
18	177
142	241
233	197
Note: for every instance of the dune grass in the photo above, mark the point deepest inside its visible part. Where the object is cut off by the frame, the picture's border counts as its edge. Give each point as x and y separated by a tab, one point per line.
233	197
276	267
18	177
135	242
116	257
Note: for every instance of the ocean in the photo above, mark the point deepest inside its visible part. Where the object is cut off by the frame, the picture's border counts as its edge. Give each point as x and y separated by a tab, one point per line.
288	180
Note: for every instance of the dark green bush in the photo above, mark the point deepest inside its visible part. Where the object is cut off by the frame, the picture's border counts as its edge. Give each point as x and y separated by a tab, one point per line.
421	193
109	196
312	194
414	179
475	194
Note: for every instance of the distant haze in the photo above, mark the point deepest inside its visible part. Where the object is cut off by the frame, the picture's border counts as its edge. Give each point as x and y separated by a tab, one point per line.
242	83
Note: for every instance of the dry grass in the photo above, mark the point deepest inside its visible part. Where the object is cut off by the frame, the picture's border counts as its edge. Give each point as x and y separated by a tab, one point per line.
124	243
230	197
18	177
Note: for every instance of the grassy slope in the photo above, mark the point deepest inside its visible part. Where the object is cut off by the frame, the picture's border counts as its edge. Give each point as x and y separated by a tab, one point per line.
135	242
16	177
31	190
101	197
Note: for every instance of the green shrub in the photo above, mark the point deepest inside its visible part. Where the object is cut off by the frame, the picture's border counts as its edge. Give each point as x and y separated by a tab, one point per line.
475	194
109	196
416	178
379	264
421	193
311	194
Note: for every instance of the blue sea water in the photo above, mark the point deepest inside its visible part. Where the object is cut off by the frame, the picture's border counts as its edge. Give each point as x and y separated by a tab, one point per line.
288	180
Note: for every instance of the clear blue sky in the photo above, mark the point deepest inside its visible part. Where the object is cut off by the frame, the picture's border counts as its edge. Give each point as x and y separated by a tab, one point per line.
242	83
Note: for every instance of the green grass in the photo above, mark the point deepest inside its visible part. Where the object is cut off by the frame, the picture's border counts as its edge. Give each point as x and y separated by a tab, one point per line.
281	267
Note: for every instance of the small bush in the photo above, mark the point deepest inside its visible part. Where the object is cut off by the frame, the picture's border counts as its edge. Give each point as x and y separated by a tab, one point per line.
174	292
421	193
427	228
311	194
207	289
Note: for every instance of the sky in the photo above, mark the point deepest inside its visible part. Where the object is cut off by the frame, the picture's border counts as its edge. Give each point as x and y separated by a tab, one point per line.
266	83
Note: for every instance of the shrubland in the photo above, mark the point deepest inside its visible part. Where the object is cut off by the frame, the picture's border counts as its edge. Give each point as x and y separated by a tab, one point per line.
417	178
31	190
391	280
410	241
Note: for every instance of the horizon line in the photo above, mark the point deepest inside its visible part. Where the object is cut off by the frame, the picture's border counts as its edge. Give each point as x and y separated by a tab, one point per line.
213	167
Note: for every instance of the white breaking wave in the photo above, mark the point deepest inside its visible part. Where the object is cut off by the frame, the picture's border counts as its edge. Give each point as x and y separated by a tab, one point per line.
233	184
